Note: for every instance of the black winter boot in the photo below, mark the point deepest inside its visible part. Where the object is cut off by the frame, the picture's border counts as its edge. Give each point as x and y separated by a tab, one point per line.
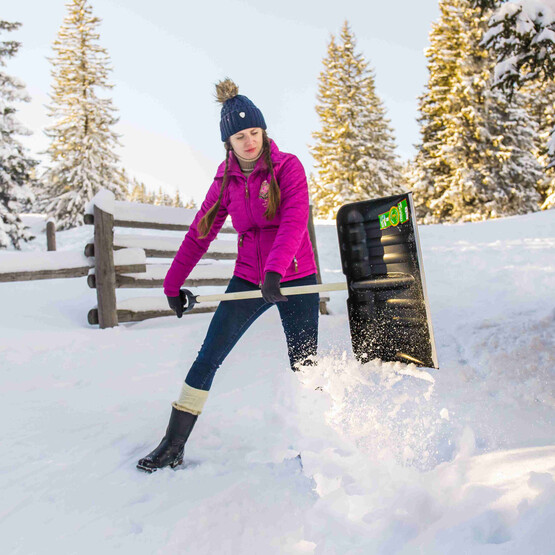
170	450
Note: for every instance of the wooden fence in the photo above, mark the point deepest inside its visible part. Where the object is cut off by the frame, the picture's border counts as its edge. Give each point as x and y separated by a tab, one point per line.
114	260
107	242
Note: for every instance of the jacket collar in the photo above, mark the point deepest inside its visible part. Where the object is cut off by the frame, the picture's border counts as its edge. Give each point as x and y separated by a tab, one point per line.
235	168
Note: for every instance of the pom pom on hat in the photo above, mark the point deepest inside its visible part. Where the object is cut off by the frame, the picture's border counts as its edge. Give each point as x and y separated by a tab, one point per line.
226	90
238	112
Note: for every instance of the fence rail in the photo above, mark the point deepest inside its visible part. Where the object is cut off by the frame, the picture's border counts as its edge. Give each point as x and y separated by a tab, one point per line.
146	216
149	307
30	266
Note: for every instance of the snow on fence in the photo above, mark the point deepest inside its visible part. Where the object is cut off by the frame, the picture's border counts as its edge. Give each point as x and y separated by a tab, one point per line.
27	266
145	216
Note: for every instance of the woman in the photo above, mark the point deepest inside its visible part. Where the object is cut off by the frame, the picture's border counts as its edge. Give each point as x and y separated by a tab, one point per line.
265	192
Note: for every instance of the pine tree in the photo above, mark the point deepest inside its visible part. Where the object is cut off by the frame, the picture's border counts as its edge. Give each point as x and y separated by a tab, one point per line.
162	199
540	97
124	180
191	204
16	167
136	190
521	38
82	145
354	152
476	157
159	197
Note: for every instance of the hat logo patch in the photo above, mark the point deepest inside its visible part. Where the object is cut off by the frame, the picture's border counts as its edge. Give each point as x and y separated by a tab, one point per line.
242	114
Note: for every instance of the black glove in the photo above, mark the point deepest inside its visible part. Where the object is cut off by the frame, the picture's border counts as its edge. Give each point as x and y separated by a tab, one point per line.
177	303
270	288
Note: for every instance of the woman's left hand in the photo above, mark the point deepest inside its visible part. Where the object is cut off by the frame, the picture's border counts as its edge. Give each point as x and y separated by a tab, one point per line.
270	288
177	303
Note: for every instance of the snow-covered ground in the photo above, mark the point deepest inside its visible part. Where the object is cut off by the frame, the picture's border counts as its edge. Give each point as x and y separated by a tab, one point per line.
458	460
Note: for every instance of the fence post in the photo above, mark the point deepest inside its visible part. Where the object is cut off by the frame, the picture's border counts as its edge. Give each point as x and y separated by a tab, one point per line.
50	235
105	273
312	235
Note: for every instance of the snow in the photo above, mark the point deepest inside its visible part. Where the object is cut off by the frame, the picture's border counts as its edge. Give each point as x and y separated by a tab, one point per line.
105	200
136	211
140	304
33	261
126	211
528	11
124	257
396	459
202	271
58	260
157	242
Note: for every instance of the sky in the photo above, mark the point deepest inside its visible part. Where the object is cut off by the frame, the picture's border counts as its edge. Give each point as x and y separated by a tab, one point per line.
167	56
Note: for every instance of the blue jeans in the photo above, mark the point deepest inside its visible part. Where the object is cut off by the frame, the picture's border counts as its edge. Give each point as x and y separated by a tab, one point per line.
299	317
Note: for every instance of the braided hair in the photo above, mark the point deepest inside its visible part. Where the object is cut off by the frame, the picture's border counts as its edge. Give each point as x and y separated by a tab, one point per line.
206	222
274	195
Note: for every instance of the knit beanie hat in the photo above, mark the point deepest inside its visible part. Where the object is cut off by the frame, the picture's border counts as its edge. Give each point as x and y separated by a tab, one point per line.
238	112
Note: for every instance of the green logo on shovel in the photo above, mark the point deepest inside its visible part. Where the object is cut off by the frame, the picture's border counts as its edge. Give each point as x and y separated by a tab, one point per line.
397	215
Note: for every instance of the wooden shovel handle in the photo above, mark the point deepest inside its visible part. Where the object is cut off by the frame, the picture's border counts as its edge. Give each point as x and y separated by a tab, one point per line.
298	290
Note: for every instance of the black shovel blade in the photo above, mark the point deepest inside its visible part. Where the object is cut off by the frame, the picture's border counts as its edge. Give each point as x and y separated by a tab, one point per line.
389	315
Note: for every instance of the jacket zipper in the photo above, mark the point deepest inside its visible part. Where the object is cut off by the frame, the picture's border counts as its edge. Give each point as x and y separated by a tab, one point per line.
259	258
296	264
241	239
255	231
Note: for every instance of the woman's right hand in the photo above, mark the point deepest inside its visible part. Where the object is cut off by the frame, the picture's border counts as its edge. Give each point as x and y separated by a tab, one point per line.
270	288
177	303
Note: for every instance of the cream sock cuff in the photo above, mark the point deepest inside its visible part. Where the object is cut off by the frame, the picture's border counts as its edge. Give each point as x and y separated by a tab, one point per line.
191	400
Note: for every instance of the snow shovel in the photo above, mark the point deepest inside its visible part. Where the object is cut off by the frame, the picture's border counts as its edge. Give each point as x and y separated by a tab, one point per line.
388	309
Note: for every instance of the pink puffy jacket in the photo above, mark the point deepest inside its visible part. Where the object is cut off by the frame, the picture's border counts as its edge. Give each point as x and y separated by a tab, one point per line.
279	245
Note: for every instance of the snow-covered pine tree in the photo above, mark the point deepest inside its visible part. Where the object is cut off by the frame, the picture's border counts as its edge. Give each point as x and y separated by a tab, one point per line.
180	203
476	157
354	153
137	191
82	148
190	204
177	199
521	38
540	96
16	167
162	198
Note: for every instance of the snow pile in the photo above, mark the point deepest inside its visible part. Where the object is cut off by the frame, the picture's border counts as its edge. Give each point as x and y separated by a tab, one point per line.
385	408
